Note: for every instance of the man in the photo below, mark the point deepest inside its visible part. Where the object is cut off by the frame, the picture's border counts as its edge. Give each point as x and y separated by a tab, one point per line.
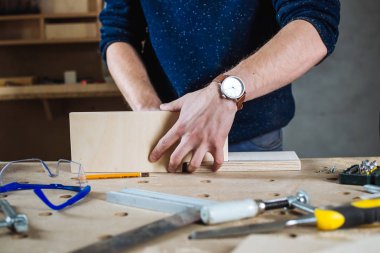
205	58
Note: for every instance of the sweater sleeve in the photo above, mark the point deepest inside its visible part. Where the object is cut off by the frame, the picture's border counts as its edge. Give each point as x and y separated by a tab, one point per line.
122	21
324	15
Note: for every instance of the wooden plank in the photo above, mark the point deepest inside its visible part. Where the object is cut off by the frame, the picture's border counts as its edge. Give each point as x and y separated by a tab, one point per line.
121	141
20	42
257	161
58	91
80	30
19	81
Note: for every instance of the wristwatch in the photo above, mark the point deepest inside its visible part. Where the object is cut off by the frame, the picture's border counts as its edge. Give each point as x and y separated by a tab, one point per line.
233	88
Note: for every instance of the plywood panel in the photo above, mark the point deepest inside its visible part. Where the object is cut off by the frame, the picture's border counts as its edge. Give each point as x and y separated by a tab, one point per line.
257	161
120	141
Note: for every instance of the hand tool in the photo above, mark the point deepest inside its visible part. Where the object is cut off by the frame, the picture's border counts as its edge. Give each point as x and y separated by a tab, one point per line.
374	191
212	212
187	208
372	188
357	213
125	241
236	210
15	222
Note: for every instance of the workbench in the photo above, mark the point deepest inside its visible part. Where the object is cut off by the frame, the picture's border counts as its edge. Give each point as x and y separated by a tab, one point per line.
94	219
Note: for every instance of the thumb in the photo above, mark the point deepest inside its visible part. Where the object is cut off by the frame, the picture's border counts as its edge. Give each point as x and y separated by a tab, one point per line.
173	106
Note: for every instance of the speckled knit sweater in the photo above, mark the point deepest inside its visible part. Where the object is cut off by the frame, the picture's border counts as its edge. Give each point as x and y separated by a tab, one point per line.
190	42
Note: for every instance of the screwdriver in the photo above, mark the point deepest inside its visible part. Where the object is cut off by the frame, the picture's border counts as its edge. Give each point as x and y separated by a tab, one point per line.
355	214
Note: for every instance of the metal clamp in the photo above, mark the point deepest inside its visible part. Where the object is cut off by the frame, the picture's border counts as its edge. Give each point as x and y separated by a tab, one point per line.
15	222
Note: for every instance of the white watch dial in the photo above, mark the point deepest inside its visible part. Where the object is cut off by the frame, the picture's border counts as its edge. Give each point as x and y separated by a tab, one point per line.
232	87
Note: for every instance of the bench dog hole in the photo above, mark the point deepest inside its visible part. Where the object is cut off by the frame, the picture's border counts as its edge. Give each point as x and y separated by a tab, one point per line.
3	195
45	214
293	235
66	196
121	214
206	181
346	193
276	194
143	182
204	195
20	236
105	237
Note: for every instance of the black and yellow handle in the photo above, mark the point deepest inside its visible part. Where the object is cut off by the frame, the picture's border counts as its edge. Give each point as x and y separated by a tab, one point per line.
356	214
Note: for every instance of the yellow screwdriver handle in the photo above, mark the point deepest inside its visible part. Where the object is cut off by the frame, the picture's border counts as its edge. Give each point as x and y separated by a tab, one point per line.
357	213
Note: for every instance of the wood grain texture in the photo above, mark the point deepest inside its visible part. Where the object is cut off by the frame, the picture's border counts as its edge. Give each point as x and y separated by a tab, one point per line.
121	141
95	219
257	161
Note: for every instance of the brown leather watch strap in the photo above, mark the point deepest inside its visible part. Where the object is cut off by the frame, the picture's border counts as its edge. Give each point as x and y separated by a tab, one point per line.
240	101
220	78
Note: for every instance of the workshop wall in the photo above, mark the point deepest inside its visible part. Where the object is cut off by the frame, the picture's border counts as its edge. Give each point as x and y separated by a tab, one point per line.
338	102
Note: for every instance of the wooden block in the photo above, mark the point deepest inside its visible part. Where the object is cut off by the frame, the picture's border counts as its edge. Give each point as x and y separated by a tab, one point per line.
17	81
70	30
64	6
257	161
120	141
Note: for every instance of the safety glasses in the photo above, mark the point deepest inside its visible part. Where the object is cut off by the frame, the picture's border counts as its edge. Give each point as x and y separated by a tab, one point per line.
49	183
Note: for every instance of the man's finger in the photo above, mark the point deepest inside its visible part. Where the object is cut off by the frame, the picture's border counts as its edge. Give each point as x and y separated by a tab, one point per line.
178	155
164	144
173	106
218	159
197	159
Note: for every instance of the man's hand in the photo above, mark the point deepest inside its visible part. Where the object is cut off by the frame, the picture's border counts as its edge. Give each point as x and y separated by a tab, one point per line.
203	125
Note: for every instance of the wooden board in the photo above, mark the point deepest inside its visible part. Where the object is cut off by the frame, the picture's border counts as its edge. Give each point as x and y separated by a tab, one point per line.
58	91
120	141
17	81
257	161
71	30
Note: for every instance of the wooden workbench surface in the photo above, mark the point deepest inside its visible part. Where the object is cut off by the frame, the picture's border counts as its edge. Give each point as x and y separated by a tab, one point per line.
95	219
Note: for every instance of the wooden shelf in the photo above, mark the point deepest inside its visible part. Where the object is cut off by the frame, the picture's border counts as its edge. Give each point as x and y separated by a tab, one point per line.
70	15
30	29
45	41
55	91
20	17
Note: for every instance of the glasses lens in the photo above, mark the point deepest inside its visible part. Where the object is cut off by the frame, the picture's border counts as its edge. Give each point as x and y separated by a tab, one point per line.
26	171
72	173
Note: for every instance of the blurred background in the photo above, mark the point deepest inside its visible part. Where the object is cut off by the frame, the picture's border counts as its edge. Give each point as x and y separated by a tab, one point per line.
50	66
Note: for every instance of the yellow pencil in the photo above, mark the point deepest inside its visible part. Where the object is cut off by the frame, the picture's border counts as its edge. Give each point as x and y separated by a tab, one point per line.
117	175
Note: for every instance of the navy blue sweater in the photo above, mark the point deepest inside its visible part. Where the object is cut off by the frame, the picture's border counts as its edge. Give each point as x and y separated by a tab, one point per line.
190	42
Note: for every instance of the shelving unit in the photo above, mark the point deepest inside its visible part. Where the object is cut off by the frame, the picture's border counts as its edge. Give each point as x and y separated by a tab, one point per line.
32	29
60	22
63	37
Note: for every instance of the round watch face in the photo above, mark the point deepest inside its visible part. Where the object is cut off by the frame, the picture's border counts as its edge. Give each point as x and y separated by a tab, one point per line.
232	87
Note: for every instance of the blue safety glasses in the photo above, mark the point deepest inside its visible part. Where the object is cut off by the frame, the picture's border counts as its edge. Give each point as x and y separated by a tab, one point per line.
30	174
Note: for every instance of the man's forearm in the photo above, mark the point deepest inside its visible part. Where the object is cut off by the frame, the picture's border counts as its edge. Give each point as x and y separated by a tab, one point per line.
131	77
286	57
